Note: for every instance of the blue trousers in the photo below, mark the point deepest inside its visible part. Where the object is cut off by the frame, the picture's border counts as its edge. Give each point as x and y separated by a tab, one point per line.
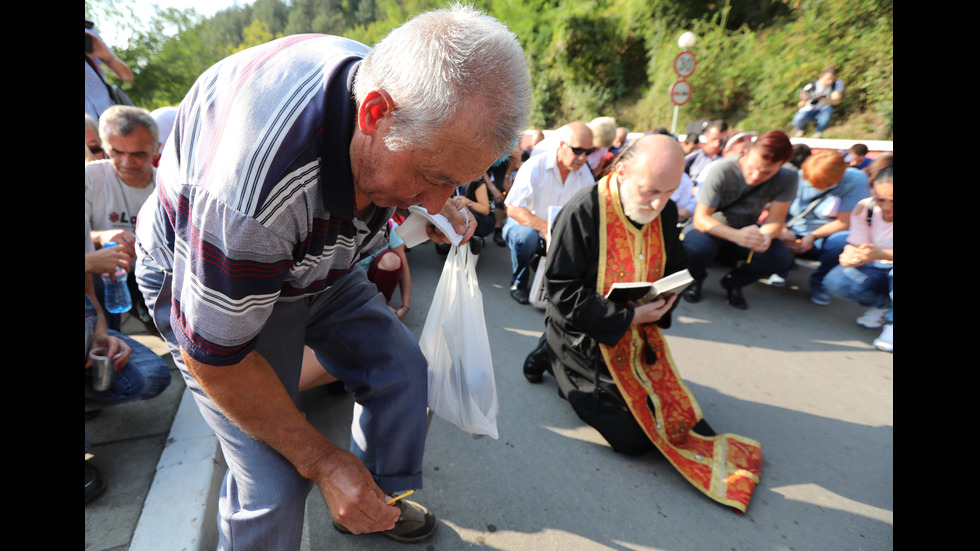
523	243
827	250
703	250
869	286
820	116
146	375
360	341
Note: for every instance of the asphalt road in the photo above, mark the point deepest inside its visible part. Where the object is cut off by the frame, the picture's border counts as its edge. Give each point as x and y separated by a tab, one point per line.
801	379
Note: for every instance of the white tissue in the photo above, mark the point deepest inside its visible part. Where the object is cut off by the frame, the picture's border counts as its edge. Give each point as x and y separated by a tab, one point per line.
412	231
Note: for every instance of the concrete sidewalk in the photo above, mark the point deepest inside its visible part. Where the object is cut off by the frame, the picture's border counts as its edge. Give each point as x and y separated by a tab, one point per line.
801	379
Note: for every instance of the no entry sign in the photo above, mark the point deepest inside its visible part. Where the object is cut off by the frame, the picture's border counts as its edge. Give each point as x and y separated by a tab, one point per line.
680	92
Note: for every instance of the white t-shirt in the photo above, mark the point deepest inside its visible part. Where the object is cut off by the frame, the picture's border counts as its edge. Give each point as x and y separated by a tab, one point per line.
109	202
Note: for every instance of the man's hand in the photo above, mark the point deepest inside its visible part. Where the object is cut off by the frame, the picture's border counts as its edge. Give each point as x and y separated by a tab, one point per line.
459	216
652	311
751	238
251	395
105	261
126	240
355	501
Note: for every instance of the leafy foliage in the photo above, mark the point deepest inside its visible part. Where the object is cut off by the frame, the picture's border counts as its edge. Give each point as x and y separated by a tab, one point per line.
587	58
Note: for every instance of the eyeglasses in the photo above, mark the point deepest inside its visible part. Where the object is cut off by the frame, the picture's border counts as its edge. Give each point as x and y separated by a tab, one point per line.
581	151
95	149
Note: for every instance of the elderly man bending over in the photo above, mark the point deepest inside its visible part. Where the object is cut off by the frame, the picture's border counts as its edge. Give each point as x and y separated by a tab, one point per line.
288	159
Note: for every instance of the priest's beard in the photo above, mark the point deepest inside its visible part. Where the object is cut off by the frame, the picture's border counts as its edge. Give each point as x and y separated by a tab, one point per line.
641	214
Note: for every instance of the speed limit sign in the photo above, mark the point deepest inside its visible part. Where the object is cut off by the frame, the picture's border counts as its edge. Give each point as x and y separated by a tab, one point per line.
684	64
680	92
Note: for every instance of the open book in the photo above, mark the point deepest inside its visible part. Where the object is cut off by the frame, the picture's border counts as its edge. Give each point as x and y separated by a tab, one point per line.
644	291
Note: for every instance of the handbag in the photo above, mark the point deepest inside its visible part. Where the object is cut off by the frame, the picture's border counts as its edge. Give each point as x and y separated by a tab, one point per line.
454	341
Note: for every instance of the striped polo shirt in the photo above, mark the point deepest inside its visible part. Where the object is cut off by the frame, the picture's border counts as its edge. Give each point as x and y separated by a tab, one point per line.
255	197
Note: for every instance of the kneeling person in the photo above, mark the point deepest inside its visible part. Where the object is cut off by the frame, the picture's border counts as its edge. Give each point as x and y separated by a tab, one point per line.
625	229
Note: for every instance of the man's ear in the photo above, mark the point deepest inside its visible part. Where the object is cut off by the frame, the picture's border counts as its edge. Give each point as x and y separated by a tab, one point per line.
376	106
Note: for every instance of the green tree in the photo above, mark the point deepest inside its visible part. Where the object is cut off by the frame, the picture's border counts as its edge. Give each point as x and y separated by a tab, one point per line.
586	58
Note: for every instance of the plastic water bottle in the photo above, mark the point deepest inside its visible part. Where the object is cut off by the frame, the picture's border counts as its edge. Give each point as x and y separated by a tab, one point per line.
117	299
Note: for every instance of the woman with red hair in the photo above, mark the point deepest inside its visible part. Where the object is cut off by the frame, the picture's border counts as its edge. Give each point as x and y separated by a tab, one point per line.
819	217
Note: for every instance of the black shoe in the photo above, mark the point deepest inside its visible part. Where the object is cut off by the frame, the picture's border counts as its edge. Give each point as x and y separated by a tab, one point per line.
416	523
476	244
536	362
735	297
498	237
94	483
693	293
519	295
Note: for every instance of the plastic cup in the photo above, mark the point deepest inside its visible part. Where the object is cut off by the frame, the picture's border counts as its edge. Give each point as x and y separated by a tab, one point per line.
103	370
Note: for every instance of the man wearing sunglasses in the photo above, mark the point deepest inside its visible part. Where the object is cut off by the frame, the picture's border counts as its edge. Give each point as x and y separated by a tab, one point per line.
544	181
92	140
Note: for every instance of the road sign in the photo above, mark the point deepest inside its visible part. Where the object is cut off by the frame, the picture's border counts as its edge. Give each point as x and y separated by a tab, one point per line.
684	64
680	92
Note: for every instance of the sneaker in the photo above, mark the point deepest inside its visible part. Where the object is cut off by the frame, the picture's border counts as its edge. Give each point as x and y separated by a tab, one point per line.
819	296
777	280
416	523
798	134
874	318
884	340
818	135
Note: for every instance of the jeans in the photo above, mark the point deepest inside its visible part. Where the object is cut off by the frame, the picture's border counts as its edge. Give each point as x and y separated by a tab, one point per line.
146	375
523	243
358	339
867	285
703	249
820	116
827	250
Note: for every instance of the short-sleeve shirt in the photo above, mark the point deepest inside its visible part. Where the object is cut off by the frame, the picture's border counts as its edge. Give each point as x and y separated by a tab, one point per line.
843	198
255	196
725	189
538	184
97	98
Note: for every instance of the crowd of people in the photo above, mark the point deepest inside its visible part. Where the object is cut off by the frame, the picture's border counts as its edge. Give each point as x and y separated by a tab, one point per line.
755	203
256	241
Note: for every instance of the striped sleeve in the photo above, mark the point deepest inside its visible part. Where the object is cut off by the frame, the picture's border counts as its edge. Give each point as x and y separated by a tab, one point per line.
239	205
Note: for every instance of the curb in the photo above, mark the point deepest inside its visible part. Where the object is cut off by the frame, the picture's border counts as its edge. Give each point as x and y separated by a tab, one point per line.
180	507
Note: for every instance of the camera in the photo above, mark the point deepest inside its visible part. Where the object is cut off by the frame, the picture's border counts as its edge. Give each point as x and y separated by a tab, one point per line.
88	37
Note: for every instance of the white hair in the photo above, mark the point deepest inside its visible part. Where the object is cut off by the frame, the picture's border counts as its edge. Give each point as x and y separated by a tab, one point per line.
443	62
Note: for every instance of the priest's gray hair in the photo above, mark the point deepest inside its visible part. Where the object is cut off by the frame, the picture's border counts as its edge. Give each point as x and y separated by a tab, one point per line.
446	62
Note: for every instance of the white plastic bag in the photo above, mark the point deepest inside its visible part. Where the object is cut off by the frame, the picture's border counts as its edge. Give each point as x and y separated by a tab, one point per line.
454	341
539	290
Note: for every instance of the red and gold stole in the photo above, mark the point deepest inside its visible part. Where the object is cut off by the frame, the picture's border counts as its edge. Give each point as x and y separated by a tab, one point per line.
725	467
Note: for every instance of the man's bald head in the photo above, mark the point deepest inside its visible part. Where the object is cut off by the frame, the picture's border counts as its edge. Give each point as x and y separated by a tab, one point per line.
575	146
649	172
